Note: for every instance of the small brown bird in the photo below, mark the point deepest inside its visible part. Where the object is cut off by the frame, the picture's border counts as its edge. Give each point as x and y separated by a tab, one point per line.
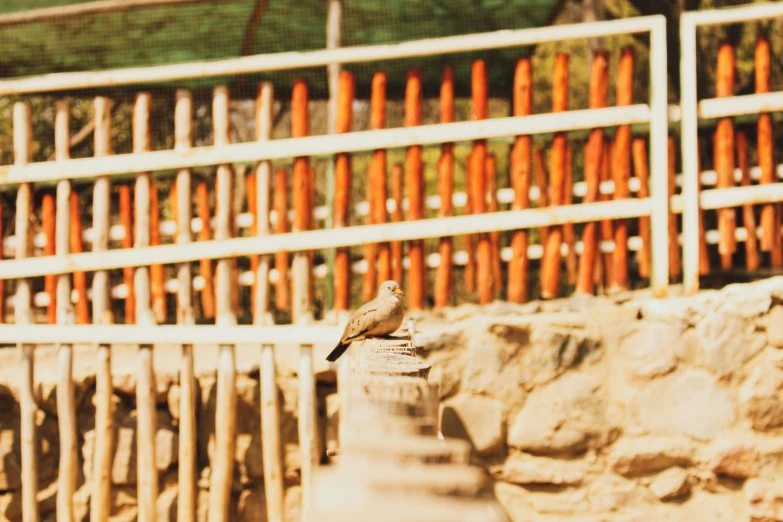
381	316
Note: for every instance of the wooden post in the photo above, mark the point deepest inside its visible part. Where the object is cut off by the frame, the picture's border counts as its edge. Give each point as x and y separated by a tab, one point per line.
77	247
641	168
470	246
205	265
569	235
724	155
300	127
157	275
225	421
186	466
443	277
550	263
478	181
263	177
414	189
126	218
308	444
342	197
752	260
675	264
50	281
490	171
621	170
396	246
282	286
66	406
594	150
270	437
378	176
519	172
23	152
543	190
147	483
704	255
101	314
770	213
607	227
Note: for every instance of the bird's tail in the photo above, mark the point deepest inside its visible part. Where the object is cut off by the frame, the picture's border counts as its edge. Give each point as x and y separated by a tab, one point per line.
337	352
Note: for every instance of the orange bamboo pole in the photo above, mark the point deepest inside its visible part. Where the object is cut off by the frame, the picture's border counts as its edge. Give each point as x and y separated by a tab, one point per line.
157	275
126	219
704	255
301	195
77	247
621	170
2	281
752	260
443	276
517	289
50	281
543	190
280	204
594	156
569	235
252	207
378	179
478	181
414	189
607	227
490	169
550	263
205	266
675	264
396	246
470	267
640	166
342	198
724	155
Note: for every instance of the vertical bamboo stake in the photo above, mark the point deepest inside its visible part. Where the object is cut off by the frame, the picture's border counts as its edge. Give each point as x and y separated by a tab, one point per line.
607	227
490	171
748	216
569	235
443	278
478	181
641	167
205	265
470	266
2	281
342	197
308	443
396	246
599	83
378	176
300	127
521	155
23	151
543	190
704	255
225	421
282	286
182	188
101	314
270	436
724	155
66	407
157	276
675	265
147	484
263	177
621	170
550	263
126	218
50	281
770	213
414	189
79	277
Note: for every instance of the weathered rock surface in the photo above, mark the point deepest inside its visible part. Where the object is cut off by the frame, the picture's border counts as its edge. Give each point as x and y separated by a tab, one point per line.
670	484
765	500
479	420
649	349
649	454
528	469
761	398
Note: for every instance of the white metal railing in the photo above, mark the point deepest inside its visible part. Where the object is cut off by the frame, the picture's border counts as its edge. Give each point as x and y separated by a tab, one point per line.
691	110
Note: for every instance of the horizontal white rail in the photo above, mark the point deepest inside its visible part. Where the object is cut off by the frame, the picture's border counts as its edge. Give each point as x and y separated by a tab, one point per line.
746	13
741	105
301	60
322	145
180	334
321	239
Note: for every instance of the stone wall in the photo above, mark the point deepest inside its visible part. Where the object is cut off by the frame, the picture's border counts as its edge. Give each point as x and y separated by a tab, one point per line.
586	409
593	409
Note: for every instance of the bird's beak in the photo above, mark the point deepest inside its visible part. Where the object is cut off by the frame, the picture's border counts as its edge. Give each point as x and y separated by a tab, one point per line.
398	291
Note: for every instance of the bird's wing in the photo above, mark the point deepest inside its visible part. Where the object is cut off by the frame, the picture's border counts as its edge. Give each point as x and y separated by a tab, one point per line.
361	322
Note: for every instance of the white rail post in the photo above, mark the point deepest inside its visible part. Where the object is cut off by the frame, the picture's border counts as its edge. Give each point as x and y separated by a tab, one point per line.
659	133
690	155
